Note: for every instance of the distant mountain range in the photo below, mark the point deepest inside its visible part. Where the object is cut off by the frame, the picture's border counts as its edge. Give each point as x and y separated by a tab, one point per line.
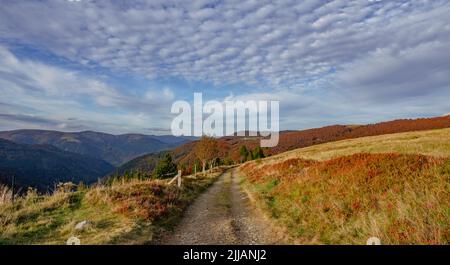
114	149
42	166
40	158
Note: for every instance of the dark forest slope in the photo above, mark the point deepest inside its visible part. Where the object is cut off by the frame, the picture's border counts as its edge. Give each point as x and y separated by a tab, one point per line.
41	166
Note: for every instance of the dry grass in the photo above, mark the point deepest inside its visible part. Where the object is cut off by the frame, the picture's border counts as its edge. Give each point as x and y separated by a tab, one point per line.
432	142
5	195
402	199
346	194
125	212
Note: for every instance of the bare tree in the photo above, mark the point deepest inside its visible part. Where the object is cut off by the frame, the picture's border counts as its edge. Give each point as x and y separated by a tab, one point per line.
206	150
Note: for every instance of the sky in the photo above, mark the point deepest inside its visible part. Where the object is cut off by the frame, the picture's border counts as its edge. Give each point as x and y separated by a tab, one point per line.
117	66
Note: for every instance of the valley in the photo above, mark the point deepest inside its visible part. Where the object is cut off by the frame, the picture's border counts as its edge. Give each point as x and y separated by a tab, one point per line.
41	159
114	149
43	166
393	186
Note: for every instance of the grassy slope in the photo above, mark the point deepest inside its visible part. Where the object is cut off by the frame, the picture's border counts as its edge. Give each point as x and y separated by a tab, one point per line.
432	142
132	212
345	195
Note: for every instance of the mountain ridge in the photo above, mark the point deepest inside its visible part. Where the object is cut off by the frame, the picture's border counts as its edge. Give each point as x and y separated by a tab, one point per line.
289	140
115	149
42	166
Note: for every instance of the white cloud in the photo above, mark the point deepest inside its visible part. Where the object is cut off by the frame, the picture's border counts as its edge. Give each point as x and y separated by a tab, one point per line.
37	95
389	74
327	60
229	41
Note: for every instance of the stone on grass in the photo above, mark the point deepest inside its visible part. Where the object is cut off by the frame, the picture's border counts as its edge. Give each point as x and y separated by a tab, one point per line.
82	225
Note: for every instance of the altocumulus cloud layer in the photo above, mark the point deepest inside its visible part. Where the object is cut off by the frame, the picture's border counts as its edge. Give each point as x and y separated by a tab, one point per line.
326	61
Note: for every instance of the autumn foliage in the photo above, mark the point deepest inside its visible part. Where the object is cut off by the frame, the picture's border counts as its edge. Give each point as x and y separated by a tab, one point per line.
206	150
402	199
229	147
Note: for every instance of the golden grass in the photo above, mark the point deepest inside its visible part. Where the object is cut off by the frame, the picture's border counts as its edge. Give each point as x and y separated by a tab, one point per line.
5	195
125	212
402	199
395	187
432	143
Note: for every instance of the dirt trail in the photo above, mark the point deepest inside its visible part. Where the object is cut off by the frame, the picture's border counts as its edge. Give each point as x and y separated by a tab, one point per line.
223	215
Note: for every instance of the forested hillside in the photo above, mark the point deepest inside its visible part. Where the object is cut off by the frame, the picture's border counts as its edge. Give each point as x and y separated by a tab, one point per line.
115	149
43	166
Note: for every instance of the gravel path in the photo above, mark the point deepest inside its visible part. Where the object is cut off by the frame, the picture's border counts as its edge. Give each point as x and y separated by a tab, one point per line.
223	215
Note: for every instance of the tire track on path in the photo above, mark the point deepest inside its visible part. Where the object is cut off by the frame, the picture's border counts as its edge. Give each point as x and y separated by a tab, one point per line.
223	215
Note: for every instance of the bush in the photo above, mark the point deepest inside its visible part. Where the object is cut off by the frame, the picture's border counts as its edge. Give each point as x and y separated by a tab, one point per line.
165	168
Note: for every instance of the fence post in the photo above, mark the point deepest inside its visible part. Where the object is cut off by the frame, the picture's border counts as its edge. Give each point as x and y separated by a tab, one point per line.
179	179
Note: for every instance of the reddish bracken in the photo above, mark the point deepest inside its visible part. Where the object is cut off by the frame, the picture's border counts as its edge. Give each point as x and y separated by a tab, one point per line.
343	200
146	200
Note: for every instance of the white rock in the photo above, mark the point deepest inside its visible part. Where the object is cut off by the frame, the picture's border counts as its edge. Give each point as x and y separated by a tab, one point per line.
73	241
82	225
373	241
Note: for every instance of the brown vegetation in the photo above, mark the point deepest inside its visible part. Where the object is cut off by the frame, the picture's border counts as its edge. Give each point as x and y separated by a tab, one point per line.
229	147
400	198
206	150
126	211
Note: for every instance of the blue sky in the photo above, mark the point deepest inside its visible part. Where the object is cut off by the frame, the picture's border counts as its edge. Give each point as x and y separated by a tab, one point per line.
117	66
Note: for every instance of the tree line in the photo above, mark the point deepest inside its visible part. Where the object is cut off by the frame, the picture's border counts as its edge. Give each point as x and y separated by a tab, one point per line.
206	151
248	155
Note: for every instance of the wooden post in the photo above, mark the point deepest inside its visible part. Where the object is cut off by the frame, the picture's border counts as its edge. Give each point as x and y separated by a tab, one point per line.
179	179
176	178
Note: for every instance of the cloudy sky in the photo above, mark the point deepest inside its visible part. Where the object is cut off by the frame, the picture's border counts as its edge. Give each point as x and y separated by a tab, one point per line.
117	66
